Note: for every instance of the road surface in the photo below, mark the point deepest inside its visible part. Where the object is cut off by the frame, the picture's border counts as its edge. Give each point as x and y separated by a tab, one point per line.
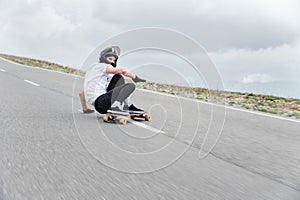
50	150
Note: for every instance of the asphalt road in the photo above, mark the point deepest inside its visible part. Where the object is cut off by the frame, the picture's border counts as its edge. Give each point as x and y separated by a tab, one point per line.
49	149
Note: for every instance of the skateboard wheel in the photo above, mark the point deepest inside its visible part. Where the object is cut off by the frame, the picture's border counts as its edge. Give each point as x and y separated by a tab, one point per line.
122	121
105	118
147	118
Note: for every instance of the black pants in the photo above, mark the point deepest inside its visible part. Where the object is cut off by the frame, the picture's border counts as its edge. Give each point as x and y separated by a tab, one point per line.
117	90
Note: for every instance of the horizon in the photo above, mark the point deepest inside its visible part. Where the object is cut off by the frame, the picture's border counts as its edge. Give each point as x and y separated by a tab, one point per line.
234	87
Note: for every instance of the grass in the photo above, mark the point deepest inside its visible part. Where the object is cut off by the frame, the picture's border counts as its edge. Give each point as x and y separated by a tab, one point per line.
246	106
294	114
42	64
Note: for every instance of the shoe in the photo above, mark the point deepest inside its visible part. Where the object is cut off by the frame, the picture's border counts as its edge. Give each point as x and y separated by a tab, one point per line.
88	111
133	109
126	107
116	109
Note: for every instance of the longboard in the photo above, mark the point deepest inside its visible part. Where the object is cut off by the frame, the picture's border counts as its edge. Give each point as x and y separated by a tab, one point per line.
122	117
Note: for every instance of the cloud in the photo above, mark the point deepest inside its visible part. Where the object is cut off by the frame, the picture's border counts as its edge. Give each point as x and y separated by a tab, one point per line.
273	70
216	24
52	30
281	62
242	37
257	78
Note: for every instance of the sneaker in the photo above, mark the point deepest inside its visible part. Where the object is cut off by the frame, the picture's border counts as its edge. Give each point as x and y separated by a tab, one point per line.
126	107
133	109
117	110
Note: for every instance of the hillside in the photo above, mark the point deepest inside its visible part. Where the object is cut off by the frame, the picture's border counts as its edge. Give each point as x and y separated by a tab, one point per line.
42	64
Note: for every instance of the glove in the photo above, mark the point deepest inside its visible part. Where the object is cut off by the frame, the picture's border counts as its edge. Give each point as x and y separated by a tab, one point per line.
138	79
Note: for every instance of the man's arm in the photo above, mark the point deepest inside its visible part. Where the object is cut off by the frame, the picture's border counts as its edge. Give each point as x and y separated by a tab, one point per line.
85	108
123	71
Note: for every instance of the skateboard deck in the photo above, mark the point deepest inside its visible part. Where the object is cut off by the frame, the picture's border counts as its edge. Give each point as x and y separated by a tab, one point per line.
122	117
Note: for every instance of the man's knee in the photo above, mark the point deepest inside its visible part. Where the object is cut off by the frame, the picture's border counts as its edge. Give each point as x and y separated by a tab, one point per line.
131	86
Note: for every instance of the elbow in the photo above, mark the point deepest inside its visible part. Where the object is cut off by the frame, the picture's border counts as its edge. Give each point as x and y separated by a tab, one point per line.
123	71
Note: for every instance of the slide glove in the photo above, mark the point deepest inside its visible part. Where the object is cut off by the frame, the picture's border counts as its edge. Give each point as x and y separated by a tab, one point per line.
138	79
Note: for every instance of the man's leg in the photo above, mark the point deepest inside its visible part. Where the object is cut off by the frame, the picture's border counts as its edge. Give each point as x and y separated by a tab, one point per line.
116	80
103	103
114	98
122	92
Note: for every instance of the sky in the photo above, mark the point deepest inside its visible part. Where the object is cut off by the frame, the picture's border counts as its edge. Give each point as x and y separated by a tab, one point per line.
254	44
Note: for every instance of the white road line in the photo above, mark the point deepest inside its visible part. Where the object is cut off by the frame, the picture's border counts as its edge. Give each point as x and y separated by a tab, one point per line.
146	126
32	83
142	125
223	106
263	114
2	70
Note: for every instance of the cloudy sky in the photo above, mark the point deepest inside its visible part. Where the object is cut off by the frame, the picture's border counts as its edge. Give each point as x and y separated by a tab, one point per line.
255	44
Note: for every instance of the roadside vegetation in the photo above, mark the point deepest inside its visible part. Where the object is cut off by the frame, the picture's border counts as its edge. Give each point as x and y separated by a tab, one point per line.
288	107
42	64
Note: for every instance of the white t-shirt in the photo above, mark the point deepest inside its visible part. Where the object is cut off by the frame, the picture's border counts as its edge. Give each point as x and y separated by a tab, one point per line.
95	82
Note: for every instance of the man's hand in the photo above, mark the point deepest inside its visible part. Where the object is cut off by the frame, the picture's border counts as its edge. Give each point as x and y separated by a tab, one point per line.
137	79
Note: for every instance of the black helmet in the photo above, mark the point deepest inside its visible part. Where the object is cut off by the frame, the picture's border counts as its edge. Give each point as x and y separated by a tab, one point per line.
110	51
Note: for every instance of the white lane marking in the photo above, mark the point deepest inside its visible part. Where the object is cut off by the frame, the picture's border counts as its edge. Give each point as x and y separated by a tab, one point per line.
223	106
146	126
2	70
32	83
263	114
142	125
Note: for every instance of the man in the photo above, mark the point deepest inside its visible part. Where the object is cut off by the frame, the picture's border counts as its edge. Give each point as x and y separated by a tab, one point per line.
115	96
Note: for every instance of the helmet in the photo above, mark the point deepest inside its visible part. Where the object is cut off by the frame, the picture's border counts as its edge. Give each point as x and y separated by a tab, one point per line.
110	51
